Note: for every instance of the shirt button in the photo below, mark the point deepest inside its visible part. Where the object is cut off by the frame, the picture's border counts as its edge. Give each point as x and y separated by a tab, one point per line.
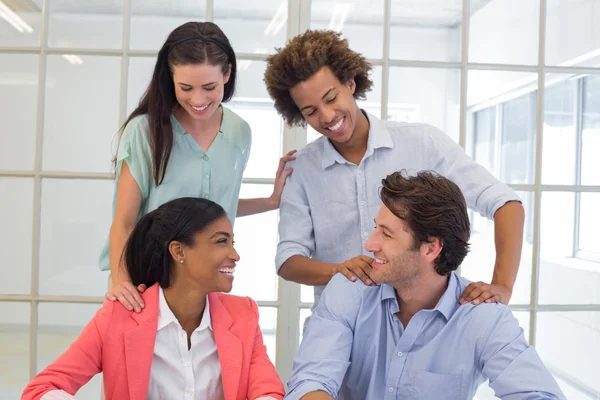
205	157
206	176
365	234
400	354
390	390
362	203
188	394
187	364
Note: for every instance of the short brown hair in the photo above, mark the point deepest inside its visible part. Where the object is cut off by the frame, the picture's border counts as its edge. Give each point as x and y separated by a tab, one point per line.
302	57
432	206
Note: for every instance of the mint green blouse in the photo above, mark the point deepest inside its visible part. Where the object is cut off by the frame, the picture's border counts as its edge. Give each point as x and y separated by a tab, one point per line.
191	172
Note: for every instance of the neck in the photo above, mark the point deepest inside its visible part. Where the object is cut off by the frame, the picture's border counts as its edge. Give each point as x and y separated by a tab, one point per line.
187	304
354	149
422	294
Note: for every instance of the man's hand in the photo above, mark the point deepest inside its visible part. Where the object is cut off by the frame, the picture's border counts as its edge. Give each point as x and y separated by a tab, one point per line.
128	295
360	266
478	292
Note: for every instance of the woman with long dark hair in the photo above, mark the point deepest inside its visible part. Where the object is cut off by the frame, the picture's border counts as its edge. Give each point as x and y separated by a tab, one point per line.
181	141
191	340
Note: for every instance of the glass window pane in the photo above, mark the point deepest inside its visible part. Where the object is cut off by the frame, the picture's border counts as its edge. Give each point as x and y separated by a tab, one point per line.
566	342
372	103
504	31
307	294
16	216
59	325
589	221
514	136
20	23
253	27
426	30
560	135
565	278
268	326
75	221
571	36
482	144
253	104
426	95
18	96
97	25
138	79
256	243
590	162
152	21
479	263
14	349
81	116
359	21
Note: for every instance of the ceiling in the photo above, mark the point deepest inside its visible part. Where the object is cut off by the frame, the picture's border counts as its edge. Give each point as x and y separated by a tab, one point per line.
439	13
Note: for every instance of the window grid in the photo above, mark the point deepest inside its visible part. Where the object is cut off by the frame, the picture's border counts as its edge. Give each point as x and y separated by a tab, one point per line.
288	304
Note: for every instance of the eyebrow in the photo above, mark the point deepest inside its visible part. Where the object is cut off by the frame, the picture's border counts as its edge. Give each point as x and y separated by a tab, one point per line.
226	234
206	84
383	226
325	95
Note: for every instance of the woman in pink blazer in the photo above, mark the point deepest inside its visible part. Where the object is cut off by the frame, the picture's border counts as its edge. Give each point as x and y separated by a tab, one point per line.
190	341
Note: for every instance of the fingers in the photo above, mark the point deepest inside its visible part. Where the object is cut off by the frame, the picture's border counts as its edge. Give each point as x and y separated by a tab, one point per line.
128	296
483	297
367	259
347	273
141	288
360	270
467	295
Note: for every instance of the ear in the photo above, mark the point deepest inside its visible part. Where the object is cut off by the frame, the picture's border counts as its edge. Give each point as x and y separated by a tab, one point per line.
351	86
432	250
227	75
176	251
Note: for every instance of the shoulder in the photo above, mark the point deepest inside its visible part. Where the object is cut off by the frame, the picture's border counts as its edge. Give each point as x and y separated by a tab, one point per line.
137	130
413	131
344	296
236	126
309	155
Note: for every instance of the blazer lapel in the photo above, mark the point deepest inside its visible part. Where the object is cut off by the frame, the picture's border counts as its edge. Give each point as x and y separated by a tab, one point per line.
229	347
139	346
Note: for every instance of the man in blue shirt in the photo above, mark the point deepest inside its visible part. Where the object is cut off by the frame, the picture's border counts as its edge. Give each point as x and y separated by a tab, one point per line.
408	337
329	201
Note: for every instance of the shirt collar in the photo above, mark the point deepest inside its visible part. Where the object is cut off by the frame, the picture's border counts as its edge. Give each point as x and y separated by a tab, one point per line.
447	304
166	316
379	136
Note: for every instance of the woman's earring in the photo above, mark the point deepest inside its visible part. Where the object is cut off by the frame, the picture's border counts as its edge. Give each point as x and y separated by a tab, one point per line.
181	261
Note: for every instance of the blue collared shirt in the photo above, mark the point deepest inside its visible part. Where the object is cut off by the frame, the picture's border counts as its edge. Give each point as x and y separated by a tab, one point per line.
328	204
355	347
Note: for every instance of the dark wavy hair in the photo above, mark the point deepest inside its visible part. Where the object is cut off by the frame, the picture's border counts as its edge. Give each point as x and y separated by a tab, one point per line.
303	57
432	206
191	43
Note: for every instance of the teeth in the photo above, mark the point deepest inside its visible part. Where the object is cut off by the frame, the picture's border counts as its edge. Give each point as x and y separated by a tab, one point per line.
201	108
379	261
227	270
336	126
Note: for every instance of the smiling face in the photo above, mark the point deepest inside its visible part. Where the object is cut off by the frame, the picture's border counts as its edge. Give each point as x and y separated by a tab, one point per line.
209	263
199	88
398	259
328	105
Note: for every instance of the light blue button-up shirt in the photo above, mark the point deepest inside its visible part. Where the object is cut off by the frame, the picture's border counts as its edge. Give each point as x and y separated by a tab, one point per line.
328	204
355	347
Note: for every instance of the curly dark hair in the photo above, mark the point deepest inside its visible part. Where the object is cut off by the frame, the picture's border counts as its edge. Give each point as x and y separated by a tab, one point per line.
302	57
432	206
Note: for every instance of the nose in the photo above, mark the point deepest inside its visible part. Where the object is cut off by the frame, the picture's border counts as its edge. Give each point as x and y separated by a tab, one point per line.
234	255
372	246
327	115
197	99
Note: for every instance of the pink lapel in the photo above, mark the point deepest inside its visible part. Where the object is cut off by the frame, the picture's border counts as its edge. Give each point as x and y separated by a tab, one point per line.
139	346
229	347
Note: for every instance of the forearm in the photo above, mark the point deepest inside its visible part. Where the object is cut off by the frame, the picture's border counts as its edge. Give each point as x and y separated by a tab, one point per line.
119	234
255	206
508	232
307	271
319	395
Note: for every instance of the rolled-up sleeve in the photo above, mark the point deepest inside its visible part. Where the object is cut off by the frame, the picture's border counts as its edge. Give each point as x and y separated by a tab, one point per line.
324	354
483	192
514	368
296	234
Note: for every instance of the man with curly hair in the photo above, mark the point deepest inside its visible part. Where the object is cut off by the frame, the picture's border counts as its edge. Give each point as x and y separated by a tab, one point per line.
330	200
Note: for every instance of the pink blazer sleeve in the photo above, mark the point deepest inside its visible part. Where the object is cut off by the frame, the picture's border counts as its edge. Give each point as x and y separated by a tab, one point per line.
263	379
78	364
